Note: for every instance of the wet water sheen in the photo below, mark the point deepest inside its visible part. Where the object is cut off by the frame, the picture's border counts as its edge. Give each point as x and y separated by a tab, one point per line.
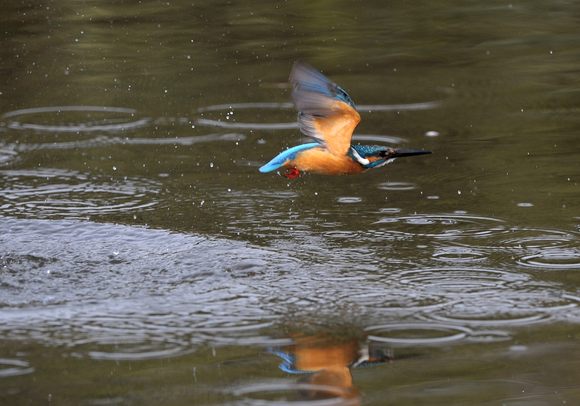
145	260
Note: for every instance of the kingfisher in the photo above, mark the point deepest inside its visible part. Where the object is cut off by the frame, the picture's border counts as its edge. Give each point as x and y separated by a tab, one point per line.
327	114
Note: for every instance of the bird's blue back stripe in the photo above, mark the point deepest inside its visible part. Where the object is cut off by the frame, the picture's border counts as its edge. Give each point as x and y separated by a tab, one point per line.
283	156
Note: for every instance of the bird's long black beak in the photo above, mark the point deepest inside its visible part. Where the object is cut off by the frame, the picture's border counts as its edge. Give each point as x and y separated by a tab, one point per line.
402	152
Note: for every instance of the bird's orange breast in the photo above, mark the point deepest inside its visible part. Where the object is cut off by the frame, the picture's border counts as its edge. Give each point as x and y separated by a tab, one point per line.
320	160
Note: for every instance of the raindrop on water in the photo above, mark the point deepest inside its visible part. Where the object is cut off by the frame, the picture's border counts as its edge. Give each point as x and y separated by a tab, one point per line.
525	204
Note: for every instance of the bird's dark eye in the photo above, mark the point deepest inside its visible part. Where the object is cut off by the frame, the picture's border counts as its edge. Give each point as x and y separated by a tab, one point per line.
383	153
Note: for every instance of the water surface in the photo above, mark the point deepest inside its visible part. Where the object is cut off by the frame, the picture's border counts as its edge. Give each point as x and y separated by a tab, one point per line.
145	260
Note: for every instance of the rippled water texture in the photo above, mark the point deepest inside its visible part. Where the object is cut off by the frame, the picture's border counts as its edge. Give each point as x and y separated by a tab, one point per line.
145	260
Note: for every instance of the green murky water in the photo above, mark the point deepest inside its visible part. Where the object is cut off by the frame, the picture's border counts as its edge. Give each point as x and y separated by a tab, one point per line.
145	260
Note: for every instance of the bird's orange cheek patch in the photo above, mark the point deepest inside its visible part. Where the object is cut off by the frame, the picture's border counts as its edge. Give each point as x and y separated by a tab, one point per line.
292	173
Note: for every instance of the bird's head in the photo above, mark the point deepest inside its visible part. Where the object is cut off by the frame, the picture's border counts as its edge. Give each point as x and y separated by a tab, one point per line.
374	156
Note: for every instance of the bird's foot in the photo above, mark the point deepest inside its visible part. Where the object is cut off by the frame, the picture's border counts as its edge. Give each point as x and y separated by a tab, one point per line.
292	173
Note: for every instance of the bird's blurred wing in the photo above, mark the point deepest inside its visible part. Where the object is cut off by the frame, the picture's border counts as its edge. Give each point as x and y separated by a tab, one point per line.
326	111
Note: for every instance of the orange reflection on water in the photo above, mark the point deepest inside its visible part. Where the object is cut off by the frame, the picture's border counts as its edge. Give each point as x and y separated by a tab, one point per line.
329	364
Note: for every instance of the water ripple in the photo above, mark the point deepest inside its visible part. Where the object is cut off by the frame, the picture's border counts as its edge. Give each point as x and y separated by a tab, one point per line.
416	334
76	119
489	336
456	255
230	121
494	319
482	297
139	351
349	199
397	186
530	238
446	226
285	106
430	105
240	106
397	303
14	367
461	280
552	259
505	308
544	249
251	126
55	192
287	393
102	140
7	154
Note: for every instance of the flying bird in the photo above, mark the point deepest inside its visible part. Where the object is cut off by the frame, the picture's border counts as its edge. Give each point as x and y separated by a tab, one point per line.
327	114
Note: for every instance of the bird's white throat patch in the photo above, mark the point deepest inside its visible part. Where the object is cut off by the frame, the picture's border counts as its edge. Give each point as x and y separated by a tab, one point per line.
359	159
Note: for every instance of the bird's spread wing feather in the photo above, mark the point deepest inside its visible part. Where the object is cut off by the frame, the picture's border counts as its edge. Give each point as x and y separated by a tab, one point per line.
326	111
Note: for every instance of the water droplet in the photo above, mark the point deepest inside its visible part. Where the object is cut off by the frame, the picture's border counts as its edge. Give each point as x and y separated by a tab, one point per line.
397	186
525	204
349	199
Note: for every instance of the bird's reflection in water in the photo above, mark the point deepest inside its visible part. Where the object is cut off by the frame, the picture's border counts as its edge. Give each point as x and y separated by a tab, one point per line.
327	362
